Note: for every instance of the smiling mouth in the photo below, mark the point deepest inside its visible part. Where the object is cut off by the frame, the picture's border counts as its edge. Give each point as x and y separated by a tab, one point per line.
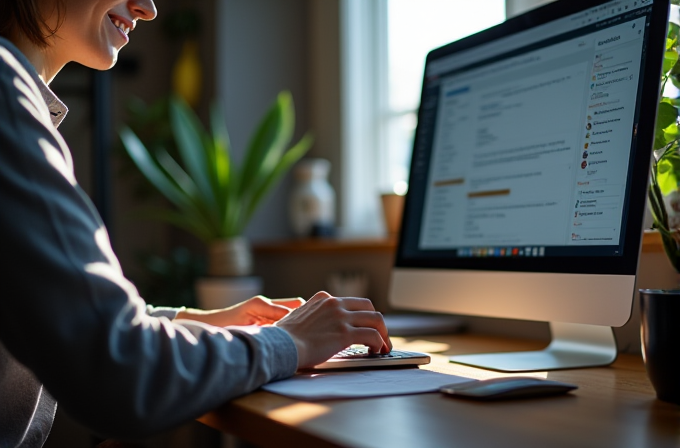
120	25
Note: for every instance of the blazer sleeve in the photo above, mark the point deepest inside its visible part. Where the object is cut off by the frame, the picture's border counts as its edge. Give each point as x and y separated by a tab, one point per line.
68	313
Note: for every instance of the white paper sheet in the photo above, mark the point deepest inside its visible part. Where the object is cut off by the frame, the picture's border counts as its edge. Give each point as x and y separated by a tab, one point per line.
361	384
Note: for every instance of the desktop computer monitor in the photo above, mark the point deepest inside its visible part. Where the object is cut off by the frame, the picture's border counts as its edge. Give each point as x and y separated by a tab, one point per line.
529	176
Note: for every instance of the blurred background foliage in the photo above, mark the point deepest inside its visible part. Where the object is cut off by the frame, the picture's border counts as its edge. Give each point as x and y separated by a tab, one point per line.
169	281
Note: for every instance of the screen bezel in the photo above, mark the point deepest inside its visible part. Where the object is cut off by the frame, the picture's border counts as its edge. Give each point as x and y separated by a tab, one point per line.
627	262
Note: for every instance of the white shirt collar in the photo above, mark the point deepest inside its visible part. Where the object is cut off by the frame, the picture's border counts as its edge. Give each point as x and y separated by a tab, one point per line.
57	108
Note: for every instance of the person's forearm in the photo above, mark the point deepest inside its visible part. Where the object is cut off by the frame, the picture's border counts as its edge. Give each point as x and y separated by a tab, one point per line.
205	316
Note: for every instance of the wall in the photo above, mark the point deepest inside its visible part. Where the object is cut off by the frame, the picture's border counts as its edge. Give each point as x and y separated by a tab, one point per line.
262	49
325	98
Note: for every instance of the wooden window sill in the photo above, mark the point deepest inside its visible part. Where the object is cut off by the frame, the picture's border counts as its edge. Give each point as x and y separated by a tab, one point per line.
327	245
651	243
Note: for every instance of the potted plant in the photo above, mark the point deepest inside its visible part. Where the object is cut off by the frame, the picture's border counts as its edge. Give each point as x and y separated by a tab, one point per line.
213	197
660	309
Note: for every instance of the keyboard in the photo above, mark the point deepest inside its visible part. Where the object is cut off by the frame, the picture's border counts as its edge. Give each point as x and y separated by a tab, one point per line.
359	356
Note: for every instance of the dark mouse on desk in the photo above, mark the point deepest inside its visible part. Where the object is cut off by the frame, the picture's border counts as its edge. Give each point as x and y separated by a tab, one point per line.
507	388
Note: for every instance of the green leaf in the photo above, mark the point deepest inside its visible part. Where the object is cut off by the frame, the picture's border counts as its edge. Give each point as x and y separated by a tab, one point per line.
671	133
667	115
199	210
144	161
673	31
222	145
272	136
289	159
176	174
174	187
669	60
190	137
675	78
675	71
223	178
668	172
673	35
666	136
659	140
656	205
669	43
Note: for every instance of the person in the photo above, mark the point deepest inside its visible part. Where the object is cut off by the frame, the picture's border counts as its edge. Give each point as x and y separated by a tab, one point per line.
73	329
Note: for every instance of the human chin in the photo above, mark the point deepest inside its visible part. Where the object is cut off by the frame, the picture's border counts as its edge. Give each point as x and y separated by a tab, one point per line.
110	61
101	58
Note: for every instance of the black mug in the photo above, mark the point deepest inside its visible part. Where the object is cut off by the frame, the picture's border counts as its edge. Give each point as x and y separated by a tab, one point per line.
660	334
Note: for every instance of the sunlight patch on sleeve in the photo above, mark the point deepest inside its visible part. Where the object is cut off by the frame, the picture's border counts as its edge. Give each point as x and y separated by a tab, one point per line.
56	159
110	269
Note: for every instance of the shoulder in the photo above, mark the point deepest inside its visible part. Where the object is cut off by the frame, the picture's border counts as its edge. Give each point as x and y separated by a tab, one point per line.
20	83
13	63
20	97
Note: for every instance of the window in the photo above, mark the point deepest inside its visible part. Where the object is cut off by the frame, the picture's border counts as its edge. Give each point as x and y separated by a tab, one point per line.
413	29
384	45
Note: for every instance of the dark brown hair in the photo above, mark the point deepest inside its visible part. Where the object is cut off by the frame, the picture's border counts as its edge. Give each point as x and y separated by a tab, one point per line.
23	16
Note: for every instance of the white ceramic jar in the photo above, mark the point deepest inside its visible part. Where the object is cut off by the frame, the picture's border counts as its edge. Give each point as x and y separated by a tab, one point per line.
312	202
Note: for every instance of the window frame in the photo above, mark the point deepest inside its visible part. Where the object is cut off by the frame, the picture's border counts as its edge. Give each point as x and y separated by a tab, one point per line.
363	64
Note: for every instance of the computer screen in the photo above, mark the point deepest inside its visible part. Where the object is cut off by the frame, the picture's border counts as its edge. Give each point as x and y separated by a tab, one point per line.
530	167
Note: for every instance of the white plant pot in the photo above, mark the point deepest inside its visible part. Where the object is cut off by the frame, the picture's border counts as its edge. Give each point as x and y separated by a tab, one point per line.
222	292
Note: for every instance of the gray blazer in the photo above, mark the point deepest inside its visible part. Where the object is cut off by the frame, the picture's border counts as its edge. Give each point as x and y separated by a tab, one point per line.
71	321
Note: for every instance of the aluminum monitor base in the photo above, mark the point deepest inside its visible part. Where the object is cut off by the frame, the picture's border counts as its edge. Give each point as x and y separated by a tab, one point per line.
573	346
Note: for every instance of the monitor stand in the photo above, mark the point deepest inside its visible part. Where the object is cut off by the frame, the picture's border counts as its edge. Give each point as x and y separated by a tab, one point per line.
573	346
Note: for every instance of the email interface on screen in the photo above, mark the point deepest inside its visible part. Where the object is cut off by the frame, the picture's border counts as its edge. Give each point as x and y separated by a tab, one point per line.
525	144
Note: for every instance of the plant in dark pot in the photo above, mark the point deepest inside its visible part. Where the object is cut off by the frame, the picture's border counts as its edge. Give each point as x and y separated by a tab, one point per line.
213	197
660	309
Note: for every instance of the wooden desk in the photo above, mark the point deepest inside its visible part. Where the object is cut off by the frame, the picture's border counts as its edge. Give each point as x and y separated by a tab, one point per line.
613	407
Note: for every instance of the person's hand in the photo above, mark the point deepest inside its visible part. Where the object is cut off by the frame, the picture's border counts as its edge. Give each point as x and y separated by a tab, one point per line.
256	311
326	324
